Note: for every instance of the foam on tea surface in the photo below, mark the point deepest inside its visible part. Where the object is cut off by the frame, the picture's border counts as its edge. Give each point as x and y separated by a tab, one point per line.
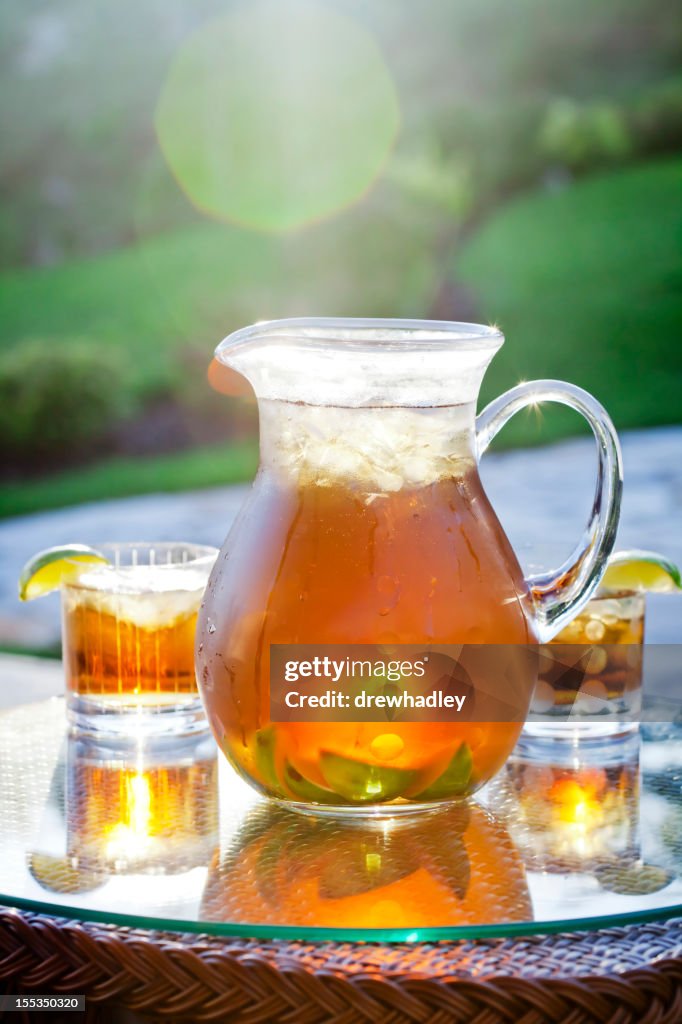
148	596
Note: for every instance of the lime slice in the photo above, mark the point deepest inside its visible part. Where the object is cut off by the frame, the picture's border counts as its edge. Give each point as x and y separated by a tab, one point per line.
265	756
642	571
360	782
47	570
304	789
454	780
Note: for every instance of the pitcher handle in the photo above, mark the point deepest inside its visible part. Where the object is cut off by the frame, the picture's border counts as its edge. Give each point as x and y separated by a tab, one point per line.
560	594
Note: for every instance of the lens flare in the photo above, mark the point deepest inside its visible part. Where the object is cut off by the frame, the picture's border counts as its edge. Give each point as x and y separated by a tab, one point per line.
277	114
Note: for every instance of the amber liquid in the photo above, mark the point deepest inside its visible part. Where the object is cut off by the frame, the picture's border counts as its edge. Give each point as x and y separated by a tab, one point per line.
129	647
340	562
458	869
125	818
608	636
564	818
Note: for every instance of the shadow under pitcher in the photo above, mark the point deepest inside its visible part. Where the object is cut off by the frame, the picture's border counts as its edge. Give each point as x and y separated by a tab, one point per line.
368	524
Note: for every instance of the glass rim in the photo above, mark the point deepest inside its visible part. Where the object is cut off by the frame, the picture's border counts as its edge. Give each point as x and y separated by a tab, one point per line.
364	334
201	557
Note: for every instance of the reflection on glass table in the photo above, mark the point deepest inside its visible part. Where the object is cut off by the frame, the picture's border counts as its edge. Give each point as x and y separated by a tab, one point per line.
164	836
459	868
578	826
141	810
128	809
569	814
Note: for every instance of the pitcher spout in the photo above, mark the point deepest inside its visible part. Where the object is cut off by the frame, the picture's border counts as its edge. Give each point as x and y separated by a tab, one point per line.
363	363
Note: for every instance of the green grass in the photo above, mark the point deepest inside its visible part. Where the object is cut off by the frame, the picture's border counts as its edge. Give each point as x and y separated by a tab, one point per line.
586	284
145	301
190	287
119	478
53	652
184	291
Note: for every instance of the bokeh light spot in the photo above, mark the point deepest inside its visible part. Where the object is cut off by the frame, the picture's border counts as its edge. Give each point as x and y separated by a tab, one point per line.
277	114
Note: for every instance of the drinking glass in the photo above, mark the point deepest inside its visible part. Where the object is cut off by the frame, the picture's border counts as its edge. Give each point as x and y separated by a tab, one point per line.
590	681
128	639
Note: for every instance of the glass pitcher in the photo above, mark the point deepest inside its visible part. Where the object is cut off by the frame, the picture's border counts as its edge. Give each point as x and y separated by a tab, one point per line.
367	523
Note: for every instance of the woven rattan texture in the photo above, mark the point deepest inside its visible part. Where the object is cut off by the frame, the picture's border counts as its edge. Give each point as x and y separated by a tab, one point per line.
620	976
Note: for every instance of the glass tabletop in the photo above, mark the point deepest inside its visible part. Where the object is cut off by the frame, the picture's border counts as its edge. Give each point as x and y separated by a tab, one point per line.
168	837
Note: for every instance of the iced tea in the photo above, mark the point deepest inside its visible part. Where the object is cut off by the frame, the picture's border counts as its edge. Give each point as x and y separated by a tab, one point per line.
364	527
605	642
129	627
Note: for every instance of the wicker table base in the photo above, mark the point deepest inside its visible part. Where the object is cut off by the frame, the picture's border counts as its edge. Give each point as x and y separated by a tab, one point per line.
622	975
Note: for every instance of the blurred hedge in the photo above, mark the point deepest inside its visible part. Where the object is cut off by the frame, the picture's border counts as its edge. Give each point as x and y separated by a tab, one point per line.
63	401
58	399
467	158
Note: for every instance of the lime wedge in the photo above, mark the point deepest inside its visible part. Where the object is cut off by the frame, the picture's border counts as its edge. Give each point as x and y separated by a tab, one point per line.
642	571
454	780
47	570
360	782
304	789
265	757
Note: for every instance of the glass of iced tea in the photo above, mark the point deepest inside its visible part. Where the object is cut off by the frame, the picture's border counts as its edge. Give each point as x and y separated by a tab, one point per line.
590	683
128	638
